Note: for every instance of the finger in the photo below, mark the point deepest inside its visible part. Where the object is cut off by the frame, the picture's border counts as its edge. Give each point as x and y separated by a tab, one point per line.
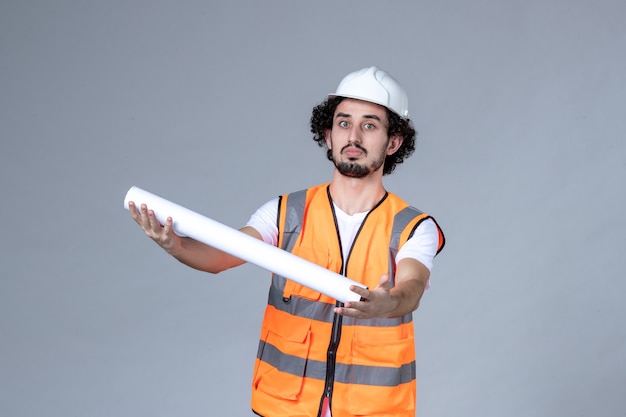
385	282
363	292
168	227
133	211
142	217
143	214
154	222
356	305
350	312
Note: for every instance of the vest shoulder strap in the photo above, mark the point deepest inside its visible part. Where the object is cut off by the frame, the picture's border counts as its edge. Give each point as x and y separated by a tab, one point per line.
290	218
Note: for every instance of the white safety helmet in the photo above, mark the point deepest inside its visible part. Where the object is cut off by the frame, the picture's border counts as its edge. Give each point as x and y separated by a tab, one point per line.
374	85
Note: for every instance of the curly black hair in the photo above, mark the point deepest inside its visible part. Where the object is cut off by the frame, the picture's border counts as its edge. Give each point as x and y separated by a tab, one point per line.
322	120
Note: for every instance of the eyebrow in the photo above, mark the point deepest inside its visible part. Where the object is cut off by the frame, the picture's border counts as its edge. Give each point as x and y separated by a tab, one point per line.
365	116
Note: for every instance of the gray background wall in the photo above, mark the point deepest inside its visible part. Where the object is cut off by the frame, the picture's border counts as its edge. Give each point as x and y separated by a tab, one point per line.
521	158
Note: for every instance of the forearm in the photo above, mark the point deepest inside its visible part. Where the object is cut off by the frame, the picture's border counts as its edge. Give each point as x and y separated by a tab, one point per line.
406	296
410	283
202	257
206	258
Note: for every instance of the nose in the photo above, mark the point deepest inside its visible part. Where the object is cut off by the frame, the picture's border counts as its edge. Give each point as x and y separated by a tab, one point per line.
354	135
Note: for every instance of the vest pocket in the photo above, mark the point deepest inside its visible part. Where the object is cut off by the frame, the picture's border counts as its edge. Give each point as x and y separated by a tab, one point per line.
387	401
383	378
280	370
299	290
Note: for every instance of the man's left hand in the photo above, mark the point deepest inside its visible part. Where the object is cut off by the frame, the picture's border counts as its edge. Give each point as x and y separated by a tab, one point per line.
377	303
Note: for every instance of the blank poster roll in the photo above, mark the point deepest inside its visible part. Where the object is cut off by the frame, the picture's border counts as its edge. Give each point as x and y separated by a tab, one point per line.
243	246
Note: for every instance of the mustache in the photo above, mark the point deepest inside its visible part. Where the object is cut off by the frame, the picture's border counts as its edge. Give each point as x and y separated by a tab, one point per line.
354	145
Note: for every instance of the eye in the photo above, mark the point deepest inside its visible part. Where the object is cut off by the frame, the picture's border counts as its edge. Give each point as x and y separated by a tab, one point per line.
369	126
343	123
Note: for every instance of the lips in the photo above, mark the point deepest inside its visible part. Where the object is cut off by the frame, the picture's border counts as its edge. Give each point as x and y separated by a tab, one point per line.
353	151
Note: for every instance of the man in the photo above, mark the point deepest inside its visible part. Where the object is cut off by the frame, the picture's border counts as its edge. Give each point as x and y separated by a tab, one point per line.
317	356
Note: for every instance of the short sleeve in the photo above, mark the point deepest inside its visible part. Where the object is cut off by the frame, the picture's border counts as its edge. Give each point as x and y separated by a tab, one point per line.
264	221
422	245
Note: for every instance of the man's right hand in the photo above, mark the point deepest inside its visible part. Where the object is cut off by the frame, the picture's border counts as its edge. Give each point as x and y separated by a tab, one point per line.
187	250
163	235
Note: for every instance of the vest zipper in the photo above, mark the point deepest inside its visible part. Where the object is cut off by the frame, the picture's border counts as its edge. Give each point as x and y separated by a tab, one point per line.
331	360
335	335
335	338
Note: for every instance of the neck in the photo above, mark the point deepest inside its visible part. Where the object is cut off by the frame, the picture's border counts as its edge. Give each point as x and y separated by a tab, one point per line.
356	195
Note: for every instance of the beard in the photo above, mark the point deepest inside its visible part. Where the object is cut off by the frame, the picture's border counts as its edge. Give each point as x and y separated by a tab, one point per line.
353	169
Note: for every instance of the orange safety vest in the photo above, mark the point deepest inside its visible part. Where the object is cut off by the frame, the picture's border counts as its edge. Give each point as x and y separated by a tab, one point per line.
365	367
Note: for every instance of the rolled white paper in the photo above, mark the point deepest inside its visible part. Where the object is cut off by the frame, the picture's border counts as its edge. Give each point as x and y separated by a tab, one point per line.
243	246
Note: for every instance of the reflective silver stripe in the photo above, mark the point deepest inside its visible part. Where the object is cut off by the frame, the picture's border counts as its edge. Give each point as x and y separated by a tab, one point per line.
375	375
320	311
346	374
277	287
294	217
288	363
400	222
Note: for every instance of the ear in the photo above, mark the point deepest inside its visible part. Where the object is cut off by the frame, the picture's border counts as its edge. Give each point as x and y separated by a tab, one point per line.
328	137
394	144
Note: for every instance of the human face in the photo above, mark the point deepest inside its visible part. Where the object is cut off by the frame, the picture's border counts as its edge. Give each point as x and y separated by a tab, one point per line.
358	138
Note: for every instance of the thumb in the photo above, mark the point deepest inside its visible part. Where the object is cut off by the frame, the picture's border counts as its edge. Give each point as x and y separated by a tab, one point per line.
384	282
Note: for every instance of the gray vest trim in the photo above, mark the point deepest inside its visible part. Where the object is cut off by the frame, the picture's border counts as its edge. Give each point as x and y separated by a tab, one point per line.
315	310
346	374
293	219
400	222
